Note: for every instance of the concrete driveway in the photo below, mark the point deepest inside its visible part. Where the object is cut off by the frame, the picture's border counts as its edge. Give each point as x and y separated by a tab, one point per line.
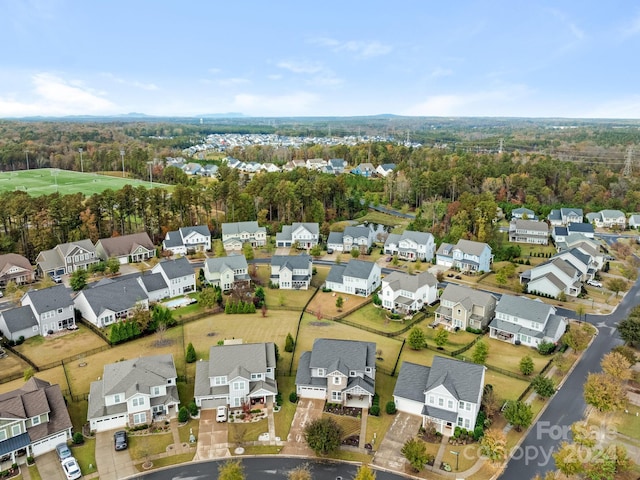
112	465
49	466
212	437
404	427
307	411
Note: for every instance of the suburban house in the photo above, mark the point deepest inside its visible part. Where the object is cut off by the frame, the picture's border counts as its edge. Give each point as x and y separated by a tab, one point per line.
302	235
552	278
155	286
634	221
33	420
410	245
579	260
335	166
178	274
66	258
133	248
291	271
588	247
528	231
358	277
585	229
111	301
133	392
18	322
565	216
608	219
559	233
187	240
520	320
523	213
365	170
385	169
234	235
315	163
237	374
404	293
52	307
446	395
293	164
338	371
466	256
15	268
360	237
461	307
224	272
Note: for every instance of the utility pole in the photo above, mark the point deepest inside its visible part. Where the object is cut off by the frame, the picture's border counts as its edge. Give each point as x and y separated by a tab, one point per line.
122	156
81	164
627	164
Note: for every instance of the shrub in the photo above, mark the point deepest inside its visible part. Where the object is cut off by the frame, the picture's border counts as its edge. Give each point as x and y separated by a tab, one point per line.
478	432
293	397
77	438
183	415
289	343
477	331
390	407
546	348
193	409
191	353
374	410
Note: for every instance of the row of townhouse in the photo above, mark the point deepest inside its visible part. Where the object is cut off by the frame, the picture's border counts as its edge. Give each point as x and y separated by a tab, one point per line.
564	216
49	310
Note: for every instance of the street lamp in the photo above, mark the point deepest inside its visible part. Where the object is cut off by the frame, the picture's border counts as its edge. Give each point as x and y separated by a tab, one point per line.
81	165
457	454
122	156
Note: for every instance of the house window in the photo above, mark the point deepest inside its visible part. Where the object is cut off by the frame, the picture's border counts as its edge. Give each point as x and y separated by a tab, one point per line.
336	396
35	421
137	401
139	418
59	310
116	398
256	376
468	406
336	380
155	391
3	435
238	385
450	404
432	399
460	420
467	423
441	402
15	430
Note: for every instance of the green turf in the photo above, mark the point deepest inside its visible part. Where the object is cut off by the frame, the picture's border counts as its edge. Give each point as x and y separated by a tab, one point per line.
45	181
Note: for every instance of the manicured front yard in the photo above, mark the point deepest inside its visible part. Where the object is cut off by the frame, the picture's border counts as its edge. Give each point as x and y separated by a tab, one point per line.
284	417
85	454
141	446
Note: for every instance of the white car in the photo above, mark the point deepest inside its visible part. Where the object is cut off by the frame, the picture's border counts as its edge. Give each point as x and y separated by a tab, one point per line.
221	413
594	283
71	468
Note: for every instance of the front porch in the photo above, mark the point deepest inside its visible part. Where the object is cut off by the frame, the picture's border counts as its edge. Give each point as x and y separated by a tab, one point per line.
357	401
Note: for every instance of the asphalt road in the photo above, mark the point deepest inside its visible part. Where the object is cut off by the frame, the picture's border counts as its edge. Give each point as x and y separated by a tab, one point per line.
264	468
567	405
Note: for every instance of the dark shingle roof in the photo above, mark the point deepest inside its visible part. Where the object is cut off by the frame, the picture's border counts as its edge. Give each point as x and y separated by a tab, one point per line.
126	244
523	307
19	318
180	267
253	357
297	262
50	298
116	296
411	381
354	355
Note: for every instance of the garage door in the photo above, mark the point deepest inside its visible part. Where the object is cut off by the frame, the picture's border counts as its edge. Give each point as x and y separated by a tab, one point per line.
48	444
123	260
312	392
408	406
110	423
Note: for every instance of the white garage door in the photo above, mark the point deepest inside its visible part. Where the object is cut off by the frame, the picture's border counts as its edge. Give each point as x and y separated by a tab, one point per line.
110	423
408	406
48	444
123	260
312	392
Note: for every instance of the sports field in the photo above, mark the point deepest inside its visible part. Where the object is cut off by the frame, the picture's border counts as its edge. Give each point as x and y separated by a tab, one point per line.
44	181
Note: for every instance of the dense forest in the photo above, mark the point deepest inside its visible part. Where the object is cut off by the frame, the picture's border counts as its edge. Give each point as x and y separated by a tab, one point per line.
455	181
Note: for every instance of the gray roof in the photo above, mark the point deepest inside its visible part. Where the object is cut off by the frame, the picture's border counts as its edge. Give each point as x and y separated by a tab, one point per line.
593	216
336	273
172	239
358	268
421	238
179	267
313	228
238	227
343	355
234	262
201	229
137	375
50	298
410	283
116	296
523	211
577	254
297	262
356	232
521	224
252	357
393	238
66	248
460	293
335	237
571	211
555	215
580	228
445	249
126	244
612	214
153	282
523	307
19	318
411	381
472	248
558	230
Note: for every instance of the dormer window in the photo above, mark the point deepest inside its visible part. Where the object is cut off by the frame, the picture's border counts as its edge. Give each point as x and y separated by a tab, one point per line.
321	372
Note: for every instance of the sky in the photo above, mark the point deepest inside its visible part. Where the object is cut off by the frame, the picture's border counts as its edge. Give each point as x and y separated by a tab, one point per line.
503	58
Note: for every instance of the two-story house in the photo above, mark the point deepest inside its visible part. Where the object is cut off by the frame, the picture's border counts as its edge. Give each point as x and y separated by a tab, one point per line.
338	371
33	420
133	248
461	307
52	307
565	216
447	395
366	170
529	231
552	278
608	219
302	235
291	271
466	256
634	221
316	163
237	374
178	274
523	213
585	229
358	277
520	320
410	245
385	169
15	268
359	237
404	293
188	240
133	393
66	258
19	322
234	235
224	272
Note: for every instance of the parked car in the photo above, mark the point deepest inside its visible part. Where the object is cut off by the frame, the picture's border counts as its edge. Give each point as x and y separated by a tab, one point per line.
63	451
221	413
71	468
56	278
594	283
120	440
72	327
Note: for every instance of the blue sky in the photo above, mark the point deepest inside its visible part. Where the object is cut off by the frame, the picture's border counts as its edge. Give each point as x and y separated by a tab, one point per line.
286	58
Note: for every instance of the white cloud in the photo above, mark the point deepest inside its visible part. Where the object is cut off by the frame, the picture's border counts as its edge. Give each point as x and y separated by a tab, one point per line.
299	103
301	67
359	48
319	75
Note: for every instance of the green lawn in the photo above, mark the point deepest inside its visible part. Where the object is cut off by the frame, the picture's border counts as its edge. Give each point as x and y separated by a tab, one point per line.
375	317
85	454
507	356
140	446
284	417
193	425
45	181
168	461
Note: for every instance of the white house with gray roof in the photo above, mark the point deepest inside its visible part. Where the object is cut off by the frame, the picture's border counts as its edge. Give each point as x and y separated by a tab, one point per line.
136	247
133	392
111	301
360	237
461	307
52	307
187	240
565	215
608	219
634	221
524	213
528	231
466	256
234	235
552	278
448	394
410	245
237	374
520	320
19	322
178	274
304	235
224	272
404	293
338	371
358	277
291	271
66	258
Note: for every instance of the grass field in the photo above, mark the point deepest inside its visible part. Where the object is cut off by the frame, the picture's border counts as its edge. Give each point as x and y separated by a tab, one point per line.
45	181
